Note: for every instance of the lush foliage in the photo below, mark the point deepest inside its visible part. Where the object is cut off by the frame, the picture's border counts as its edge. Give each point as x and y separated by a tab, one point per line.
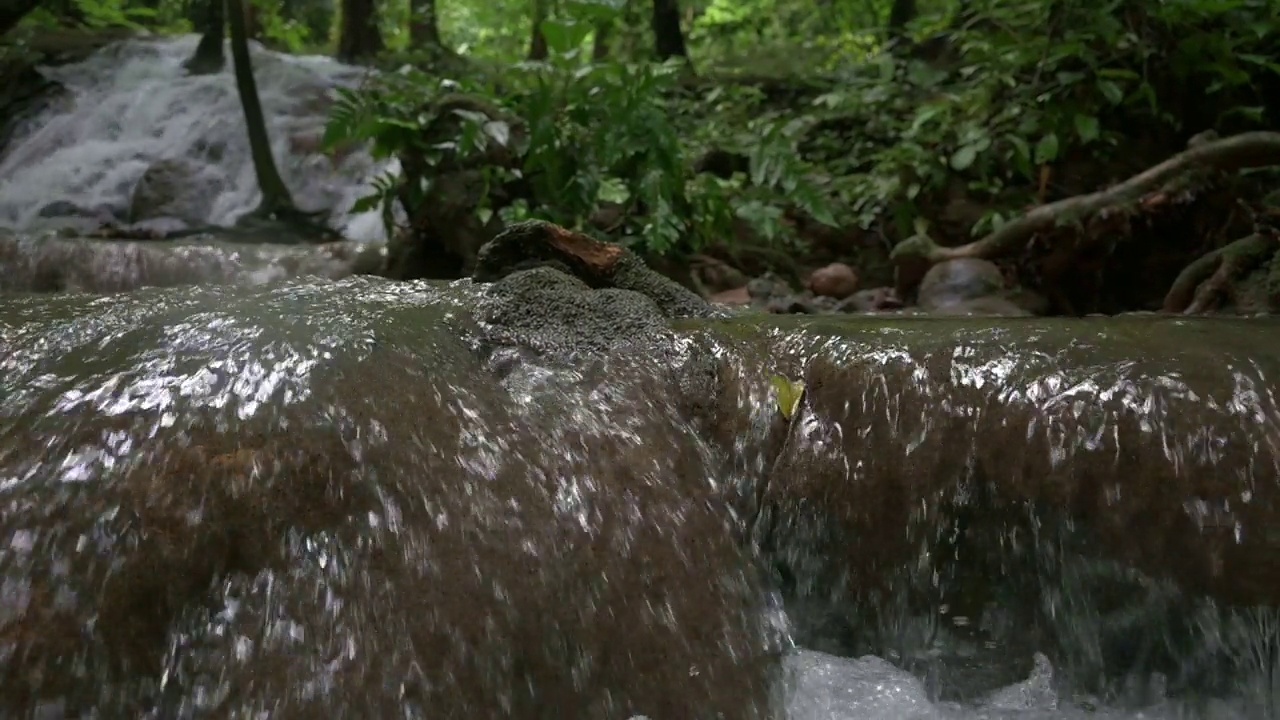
997	103
596	132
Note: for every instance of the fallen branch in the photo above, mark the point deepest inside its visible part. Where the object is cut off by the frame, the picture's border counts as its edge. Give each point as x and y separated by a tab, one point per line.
1239	152
1202	283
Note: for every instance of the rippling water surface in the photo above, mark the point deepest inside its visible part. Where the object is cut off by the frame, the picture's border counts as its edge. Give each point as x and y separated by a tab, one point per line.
331	499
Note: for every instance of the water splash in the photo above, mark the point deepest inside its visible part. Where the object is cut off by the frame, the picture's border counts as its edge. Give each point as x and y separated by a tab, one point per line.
317	497
132	104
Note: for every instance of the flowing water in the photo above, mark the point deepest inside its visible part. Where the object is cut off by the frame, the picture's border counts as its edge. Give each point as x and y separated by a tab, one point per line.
315	498
132	105
341	499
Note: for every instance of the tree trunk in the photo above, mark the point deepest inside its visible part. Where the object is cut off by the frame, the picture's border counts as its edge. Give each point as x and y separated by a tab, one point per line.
276	199
668	39
600	48
12	12
209	57
901	12
68	12
424	24
538	41
252	22
360	38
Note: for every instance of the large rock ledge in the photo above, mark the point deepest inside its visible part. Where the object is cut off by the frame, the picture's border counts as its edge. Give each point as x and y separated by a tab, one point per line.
579	534
1113	477
1040	467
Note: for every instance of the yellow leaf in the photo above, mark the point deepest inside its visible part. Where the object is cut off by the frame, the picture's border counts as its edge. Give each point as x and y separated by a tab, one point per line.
789	394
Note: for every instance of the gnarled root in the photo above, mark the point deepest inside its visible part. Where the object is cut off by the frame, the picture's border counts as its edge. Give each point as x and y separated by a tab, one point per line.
1247	150
1201	285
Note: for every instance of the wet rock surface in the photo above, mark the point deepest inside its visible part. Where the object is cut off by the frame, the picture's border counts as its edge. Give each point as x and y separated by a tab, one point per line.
176	188
237	492
599	265
1096	474
565	488
46	265
954	282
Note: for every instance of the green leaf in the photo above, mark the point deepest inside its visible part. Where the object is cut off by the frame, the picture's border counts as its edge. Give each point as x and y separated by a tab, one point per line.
1111	91
564	35
789	394
499	130
1087	128
1047	149
926	114
1021	147
964	157
367	203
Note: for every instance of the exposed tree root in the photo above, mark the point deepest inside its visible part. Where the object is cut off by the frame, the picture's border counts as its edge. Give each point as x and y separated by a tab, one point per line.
1201	286
1239	152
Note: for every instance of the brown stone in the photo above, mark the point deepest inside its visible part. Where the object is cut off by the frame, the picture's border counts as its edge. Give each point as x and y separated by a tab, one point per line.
528	243
955	281
597	255
836	280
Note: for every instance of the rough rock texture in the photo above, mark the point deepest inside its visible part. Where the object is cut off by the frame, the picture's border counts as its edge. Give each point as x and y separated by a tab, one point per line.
551	288
546	309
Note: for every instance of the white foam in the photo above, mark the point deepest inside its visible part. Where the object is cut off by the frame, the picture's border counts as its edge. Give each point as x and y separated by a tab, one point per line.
133	104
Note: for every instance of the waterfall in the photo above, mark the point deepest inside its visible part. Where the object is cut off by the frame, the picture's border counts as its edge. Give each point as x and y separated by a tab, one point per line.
132	105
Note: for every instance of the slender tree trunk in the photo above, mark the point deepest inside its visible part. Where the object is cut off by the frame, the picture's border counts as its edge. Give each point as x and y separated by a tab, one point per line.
600	48
627	45
68	12
538	41
360	38
276	199
901	12
424	24
209	57
668	39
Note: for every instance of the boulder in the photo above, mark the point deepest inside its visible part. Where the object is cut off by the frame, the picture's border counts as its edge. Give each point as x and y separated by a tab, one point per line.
836	280
176	188
956	281
343	513
595	264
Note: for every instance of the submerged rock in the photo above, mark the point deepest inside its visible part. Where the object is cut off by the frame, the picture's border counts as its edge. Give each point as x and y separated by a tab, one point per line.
108	266
176	188
314	501
958	281
1094	476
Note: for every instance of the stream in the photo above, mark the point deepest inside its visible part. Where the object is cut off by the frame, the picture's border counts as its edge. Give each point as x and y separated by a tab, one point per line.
235	482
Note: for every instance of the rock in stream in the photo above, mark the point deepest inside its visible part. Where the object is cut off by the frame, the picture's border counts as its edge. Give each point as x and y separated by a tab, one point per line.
564	490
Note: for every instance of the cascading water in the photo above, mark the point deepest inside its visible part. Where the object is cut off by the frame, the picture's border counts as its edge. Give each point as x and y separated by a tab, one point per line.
318	497
133	105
